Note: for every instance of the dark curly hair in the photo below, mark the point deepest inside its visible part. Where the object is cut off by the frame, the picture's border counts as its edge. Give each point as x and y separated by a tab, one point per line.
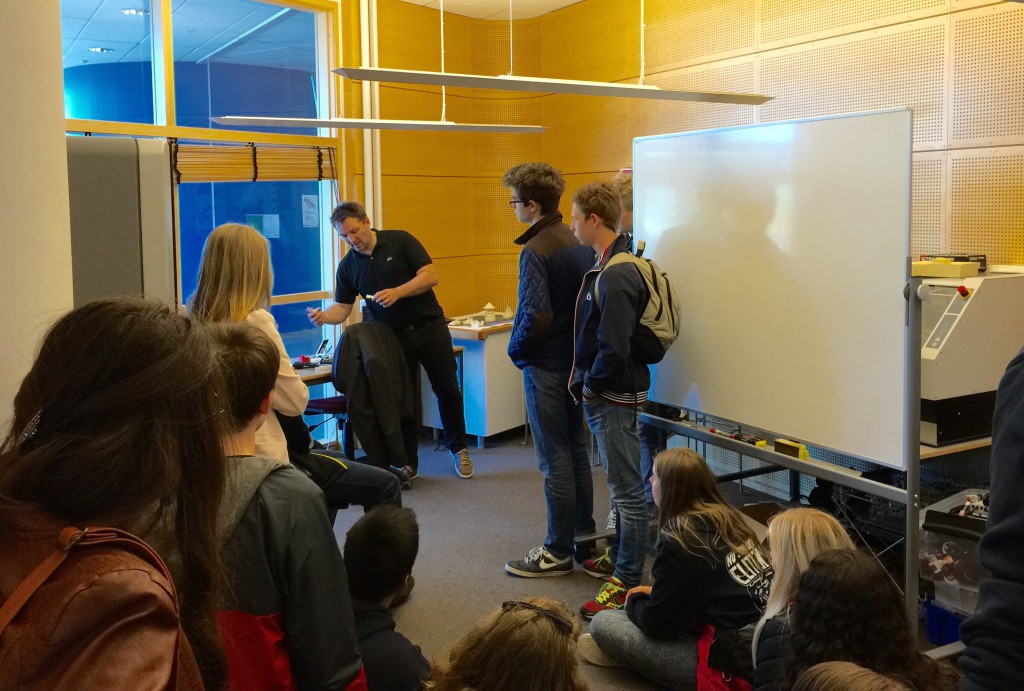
536	182
847	608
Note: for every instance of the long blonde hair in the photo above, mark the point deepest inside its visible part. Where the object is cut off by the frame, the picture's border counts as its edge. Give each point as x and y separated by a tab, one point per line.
235	277
795	538
528	644
689	493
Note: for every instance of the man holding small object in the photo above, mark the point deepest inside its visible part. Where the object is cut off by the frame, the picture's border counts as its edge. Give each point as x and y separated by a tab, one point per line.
396	277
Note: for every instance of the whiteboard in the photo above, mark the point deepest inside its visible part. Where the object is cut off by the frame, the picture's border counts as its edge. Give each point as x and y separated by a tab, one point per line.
788	245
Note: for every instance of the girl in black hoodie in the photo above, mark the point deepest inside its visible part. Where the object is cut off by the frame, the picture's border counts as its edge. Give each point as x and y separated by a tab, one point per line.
692	628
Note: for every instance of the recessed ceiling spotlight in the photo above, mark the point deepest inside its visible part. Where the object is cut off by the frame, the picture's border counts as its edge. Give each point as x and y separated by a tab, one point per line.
131	12
98	49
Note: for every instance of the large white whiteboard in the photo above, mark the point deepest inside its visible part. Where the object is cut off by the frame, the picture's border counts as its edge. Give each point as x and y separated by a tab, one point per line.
788	245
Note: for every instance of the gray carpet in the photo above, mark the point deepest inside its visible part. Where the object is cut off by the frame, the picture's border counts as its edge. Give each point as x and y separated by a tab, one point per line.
469	529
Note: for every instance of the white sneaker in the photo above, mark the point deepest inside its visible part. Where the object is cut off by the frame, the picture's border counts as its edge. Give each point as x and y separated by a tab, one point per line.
539	563
592	653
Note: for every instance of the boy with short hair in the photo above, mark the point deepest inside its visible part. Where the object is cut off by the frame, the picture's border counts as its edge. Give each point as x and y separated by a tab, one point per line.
380	550
287	620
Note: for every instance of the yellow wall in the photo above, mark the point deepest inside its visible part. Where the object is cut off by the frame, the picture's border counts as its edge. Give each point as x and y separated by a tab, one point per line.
958	63
445	187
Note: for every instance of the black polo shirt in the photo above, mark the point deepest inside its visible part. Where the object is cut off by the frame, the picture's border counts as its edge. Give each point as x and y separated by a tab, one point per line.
395	259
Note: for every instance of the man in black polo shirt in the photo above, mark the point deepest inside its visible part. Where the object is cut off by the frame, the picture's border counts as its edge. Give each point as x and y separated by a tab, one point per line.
394	273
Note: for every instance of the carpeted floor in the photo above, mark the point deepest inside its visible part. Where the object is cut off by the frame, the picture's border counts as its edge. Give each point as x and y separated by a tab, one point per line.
469	529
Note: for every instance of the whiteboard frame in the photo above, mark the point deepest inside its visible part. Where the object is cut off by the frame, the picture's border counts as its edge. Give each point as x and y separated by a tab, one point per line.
898	461
910	496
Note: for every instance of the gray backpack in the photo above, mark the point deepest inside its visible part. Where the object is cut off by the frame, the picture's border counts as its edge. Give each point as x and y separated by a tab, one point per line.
661	315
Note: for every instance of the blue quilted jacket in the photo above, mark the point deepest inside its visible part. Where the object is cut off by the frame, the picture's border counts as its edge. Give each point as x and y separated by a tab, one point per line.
551	268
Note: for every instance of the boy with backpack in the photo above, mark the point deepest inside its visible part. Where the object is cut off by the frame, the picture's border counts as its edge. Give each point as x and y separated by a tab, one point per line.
619	314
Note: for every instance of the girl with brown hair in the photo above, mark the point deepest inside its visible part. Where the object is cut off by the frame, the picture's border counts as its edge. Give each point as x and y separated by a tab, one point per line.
235	283
524	644
711	580
119	414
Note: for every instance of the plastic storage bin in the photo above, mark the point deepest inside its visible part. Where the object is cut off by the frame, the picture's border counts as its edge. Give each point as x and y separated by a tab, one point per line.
949	553
943	626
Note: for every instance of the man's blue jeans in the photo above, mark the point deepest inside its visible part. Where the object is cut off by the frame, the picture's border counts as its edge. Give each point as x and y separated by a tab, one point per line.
618	443
560	444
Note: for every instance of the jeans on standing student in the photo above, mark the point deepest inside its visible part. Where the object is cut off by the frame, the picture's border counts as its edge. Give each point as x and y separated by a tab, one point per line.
618	444
557	424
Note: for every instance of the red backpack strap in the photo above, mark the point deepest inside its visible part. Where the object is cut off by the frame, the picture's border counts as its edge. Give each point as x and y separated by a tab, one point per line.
71	538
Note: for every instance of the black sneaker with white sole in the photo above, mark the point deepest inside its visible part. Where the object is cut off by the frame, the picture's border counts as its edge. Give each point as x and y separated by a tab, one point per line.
540	563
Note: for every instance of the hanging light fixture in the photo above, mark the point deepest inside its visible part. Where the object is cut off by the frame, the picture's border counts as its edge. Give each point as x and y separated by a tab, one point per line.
376	124
511	82
442	125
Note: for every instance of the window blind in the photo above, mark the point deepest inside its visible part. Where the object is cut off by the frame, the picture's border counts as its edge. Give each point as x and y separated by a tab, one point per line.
251	162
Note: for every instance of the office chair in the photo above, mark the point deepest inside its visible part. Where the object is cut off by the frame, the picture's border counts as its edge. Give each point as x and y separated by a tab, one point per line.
335	408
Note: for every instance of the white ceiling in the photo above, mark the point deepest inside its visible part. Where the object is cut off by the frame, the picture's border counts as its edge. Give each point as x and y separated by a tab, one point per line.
497	9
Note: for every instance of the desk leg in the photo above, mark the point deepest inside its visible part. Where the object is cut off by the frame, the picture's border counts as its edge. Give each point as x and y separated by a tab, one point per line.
480	441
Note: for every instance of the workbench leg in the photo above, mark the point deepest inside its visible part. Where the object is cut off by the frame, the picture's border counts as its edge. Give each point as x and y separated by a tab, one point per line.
794	486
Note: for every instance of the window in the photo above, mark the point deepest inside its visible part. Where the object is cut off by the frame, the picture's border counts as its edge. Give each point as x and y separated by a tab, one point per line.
292	216
108	60
239	57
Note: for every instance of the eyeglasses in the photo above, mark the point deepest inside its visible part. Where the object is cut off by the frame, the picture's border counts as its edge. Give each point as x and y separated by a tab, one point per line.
510	605
513	202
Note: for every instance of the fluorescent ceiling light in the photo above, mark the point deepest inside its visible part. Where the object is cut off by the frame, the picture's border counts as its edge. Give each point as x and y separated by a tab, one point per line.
361	124
539	84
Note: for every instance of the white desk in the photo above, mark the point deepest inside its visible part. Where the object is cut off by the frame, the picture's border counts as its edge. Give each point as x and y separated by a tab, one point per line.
492	387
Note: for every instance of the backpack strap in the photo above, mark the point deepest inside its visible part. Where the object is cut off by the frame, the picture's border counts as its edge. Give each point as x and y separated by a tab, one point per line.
72	538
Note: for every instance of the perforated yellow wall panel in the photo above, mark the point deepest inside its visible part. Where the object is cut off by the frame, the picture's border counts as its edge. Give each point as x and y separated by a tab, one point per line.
987	209
898	66
661	117
988	77
928	208
490	47
680	33
788	20
586	134
594	39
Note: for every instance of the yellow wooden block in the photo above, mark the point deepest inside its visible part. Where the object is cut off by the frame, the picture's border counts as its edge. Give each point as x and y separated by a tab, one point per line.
945	269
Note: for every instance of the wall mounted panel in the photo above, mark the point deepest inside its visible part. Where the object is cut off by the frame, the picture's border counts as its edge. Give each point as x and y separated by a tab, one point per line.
586	134
987	203
885	68
660	117
929	227
987	106
684	32
493	154
785	22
